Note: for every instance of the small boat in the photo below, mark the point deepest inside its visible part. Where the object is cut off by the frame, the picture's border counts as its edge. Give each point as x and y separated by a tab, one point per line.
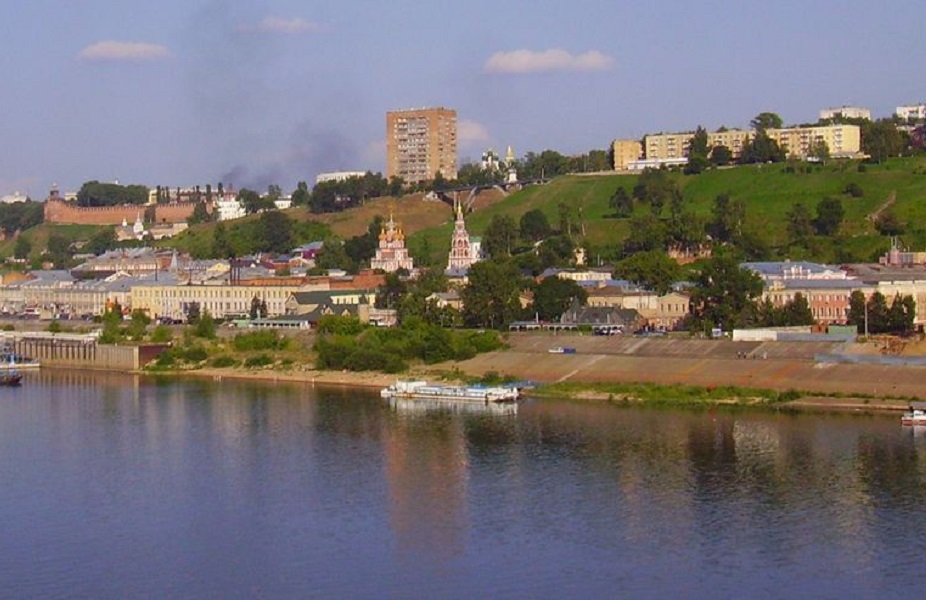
562	350
423	390
8	357
916	415
10	377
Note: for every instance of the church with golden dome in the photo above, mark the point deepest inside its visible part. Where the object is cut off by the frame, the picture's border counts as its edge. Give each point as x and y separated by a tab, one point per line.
392	255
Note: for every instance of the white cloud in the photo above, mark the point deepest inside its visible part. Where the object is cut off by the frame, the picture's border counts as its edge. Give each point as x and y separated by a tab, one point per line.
278	25
529	61
115	51
471	132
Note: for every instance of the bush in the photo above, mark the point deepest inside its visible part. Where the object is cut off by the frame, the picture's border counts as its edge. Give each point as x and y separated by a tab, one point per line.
855	190
221	362
161	334
862	168
259	340
261	360
196	354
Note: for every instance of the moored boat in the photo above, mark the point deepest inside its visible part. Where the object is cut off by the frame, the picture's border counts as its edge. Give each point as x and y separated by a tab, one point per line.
10	377
454	393
916	415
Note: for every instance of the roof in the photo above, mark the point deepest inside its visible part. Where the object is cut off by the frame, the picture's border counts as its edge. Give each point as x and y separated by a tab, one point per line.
782	267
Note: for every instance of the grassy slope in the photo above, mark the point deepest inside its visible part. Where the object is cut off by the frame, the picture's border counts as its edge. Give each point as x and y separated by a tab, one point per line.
768	191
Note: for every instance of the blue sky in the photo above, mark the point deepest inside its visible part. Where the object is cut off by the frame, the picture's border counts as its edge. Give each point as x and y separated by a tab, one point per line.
185	92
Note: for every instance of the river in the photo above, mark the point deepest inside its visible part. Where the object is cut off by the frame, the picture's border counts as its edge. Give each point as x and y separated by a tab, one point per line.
117	486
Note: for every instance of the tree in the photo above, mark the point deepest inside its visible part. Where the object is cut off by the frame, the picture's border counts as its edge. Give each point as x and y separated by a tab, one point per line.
553	296
621	203
558	250
534	225
200	214
819	150
193	312
721	155
204	327
59	249
724	294
390	294
500	237
856	314
766	120
878	314
829	216
101	241
800	224
276	232
656	188
761	149
221	245
882	140
653	270
797	311
491	299
646	233
252	201
728	217
22	248
697	152
300	195
888	223
333	256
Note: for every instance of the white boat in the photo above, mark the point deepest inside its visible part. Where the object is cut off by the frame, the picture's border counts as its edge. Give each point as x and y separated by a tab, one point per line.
423	390
18	361
916	415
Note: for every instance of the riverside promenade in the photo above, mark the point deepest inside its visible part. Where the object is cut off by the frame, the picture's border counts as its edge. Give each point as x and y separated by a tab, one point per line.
770	365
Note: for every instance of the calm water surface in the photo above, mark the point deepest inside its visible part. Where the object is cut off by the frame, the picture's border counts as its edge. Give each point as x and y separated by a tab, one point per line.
120	487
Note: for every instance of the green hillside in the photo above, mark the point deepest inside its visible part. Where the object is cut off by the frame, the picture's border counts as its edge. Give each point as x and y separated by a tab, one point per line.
769	192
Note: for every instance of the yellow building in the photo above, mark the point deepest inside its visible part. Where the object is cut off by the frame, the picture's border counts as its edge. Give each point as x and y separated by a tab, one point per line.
624	152
222	301
842	140
420	143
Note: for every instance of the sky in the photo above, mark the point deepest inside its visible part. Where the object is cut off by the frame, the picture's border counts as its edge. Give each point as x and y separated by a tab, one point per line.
259	92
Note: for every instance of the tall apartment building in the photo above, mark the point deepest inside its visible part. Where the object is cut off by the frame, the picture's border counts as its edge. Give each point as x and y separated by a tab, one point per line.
846	112
625	151
912	111
420	143
842	140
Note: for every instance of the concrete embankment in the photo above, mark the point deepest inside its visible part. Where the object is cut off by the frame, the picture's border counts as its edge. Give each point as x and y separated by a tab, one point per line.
768	365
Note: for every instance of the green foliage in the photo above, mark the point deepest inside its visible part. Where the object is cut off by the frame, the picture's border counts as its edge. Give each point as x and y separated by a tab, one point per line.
224	361
195	354
881	140
94	193
853	189
261	360
534	226
333	196
766	120
724	294
794	312
653	270
761	149
338	325
101	241
19	216
22	248
721	156
276	232
161	334
260	340
204	326
500	237
621	202
553	296
54	327
492	297
830	214
697	152
389	350
728	218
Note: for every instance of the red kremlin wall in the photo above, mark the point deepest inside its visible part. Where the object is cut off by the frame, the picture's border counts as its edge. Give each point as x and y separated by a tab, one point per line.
59	211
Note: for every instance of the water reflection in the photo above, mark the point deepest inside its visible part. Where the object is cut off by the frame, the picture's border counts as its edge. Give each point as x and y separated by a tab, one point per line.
331	486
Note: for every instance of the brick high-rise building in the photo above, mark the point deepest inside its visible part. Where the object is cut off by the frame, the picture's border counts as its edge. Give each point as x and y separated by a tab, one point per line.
421	142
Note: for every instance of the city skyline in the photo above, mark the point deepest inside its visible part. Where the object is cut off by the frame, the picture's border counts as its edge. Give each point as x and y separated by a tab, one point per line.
276	91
